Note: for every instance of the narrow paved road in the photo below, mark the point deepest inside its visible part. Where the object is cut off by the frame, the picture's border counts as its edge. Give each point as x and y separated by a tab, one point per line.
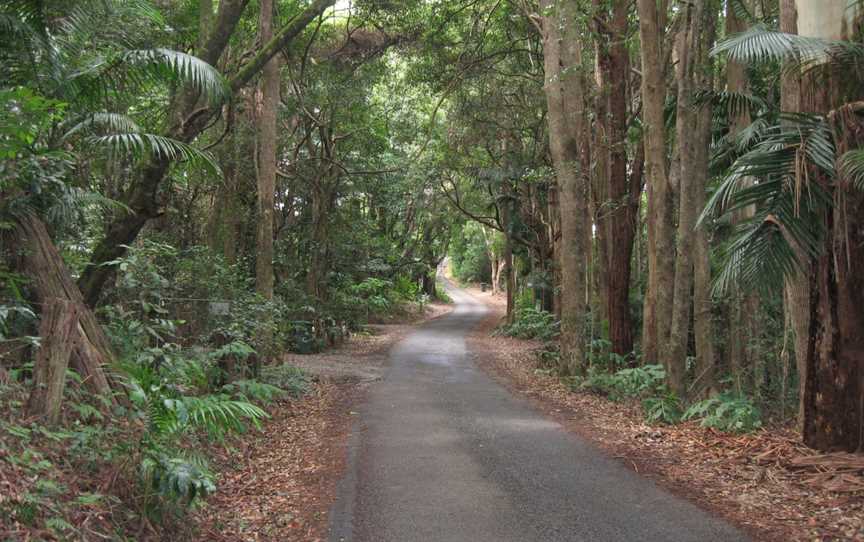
442	453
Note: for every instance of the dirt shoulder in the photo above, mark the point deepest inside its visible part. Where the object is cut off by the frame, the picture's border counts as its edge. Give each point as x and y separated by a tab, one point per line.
747	479
279	483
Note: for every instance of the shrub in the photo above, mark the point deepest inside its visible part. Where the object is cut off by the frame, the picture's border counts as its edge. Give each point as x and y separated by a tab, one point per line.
645	381
665	408
727	412
295	381
532	323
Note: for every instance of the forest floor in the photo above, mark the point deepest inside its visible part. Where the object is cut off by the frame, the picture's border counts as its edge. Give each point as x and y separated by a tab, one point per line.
279	483
766	482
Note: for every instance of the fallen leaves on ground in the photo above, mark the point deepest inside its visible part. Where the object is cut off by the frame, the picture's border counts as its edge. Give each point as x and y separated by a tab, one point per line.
767	482
278	484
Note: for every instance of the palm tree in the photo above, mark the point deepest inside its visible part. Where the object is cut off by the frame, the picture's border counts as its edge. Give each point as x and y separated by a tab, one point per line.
809	199
56	110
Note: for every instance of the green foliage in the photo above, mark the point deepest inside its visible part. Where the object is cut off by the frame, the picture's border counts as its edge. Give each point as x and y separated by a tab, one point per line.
469	255
529	322
295	381
600	355
665	409
644	381
727	412
168	415
254	391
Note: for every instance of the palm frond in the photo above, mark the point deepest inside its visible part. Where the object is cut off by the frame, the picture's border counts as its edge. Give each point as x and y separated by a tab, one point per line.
759	44
157	62
111	122
762	250
139	144
73	199
735	103
850	168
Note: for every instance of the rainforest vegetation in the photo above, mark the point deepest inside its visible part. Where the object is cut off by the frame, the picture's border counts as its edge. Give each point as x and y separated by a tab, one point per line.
670	194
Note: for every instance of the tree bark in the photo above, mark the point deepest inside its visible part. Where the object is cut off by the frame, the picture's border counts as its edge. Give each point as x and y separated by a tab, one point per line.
267	148
617	212
58	334
564	88
661	241
691	53
834	389
50	281
797	286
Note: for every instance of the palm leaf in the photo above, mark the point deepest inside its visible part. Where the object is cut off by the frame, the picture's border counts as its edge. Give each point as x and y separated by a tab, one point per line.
111	122
851	167
139	144
759	44
189	68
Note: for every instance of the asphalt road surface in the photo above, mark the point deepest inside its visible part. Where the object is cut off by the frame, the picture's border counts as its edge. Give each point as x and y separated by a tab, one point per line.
442	453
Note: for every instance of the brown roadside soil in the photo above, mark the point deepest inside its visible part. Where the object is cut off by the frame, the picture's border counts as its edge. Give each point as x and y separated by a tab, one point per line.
278	484
766	482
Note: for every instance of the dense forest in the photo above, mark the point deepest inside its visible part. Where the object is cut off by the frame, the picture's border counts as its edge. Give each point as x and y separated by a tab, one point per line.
669	195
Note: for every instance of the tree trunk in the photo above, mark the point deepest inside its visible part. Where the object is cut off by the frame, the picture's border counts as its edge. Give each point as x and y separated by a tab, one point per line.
266	141
50	281
705	382
834	389
321	203
661	241
617	213
508	271
691	54
564	88
797	286
58	334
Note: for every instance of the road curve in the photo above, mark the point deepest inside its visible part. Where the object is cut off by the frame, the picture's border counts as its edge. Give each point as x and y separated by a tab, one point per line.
442	453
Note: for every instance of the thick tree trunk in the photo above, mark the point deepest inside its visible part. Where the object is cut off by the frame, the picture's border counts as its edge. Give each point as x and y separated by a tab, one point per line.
50	281
58	334
267	147
834	389
691	54
564	88
661	240
617	212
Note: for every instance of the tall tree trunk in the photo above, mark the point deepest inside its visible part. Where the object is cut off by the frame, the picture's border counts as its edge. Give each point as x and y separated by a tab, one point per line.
266	141
703	323
57	331
661	241
322	203
509	271
834	390
617	213
743	305
564	88
797	286
687	56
